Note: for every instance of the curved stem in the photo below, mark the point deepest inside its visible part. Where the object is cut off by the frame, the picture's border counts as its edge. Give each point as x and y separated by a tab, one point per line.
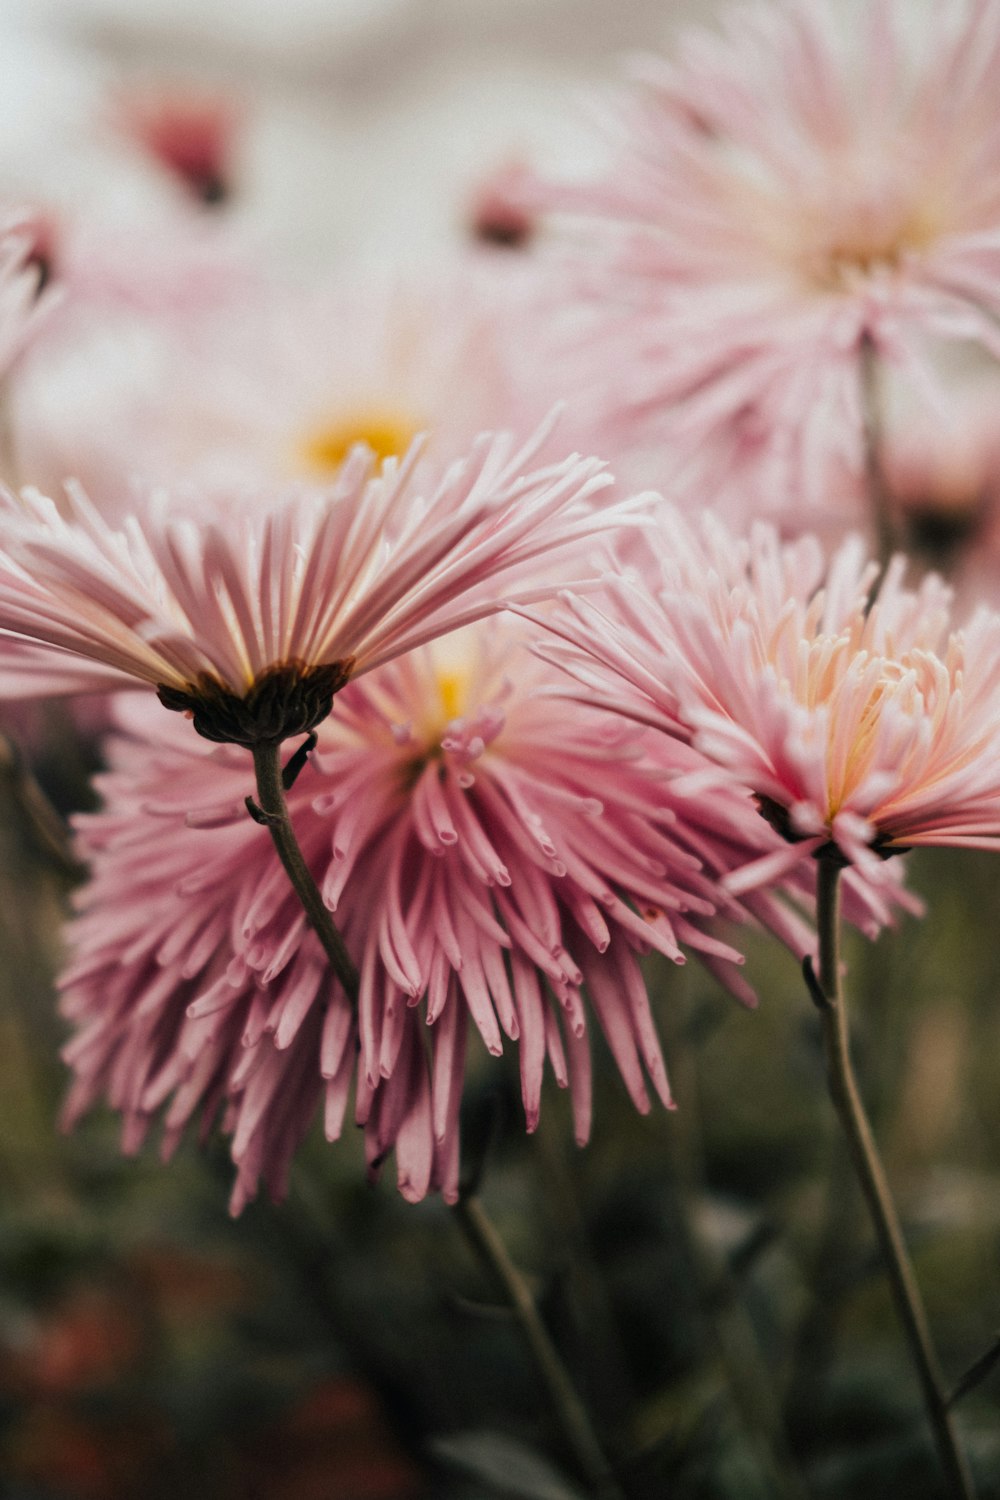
274	807
871	1174
574	1420
476	1224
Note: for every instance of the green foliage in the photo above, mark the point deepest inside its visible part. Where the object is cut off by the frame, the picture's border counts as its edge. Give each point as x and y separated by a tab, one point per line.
707	1275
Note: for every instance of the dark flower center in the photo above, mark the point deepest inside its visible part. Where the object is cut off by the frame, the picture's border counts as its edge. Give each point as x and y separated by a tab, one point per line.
777	815
286	700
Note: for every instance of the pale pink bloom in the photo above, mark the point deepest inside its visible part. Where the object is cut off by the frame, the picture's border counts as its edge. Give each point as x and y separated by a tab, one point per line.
126	305
942	476
164	263
251	616
277	384
132	290
784	193
493	854
860	725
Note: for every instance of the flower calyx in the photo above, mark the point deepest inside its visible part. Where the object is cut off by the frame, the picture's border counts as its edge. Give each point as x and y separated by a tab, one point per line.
780	819
284	701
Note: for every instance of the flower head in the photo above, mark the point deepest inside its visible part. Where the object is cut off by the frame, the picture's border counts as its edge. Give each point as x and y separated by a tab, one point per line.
857	724
251	617
780	197
494	853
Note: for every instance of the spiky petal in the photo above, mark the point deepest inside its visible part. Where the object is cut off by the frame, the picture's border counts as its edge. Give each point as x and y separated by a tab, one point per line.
216	605
497	858
862	724
782	194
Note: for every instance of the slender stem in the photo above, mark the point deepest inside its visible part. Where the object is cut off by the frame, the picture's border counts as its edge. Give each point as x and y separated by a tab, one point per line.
470	1213
879	499
864	1153
749	1379
609	1380
271	795
574	1421
475	1222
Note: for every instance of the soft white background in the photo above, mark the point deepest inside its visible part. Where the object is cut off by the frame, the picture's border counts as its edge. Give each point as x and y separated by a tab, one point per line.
369	122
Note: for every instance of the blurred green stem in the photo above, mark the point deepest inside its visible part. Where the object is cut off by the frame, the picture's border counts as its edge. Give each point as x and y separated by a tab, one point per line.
746	1372
273	813
812	1352
827	991
609	1383
574	1420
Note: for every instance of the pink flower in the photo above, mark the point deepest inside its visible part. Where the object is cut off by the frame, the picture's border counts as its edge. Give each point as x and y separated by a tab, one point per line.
20	284
251	617
272	385
493	853
782	195
942	477
861	725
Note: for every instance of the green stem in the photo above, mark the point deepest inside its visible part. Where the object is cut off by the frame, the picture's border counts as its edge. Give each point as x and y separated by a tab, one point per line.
871	1175
746	1373
574	1420
274	807
477	1226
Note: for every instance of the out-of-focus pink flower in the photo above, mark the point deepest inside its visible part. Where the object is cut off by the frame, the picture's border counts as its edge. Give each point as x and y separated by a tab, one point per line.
783	195
251	616
493	852
277	384
164	264
941	471
857	724
125	304
20	284
190	133
501	210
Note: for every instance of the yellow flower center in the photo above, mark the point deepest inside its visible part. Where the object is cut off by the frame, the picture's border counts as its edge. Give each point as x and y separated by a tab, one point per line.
441	696
867	245
387	433
861	218
451	690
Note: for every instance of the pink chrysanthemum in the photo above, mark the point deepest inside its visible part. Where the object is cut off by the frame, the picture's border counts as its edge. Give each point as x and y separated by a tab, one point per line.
858	724
783	195
492	852
251	617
